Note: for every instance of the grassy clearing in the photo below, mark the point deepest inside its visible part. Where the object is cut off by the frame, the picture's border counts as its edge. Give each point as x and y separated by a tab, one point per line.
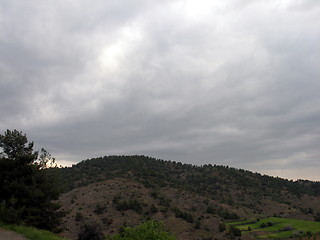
33	233
278	227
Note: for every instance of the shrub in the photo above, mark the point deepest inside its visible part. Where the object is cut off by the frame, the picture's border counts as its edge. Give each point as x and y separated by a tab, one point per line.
153	208
222	227
211	210
107	221
150	230
287	228
79	217
99	209
132	204
235	231
227	215
91	231
197	224
184	215
263	225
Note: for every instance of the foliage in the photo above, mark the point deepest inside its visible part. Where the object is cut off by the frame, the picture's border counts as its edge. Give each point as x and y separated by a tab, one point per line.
184	215
79	217
211	210
27	190
123	205
234	231
45	160
150	230
33	233
90	231
222	227
279	227
99	209
227	215
153	208
15	146
197	224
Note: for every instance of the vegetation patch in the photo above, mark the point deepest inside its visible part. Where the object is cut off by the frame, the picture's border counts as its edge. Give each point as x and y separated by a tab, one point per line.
184	215
277	228
150	230
124	205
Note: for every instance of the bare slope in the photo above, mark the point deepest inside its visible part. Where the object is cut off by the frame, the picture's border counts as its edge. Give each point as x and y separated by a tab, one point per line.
103	203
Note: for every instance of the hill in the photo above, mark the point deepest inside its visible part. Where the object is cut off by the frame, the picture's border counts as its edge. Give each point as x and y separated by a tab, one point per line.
192	201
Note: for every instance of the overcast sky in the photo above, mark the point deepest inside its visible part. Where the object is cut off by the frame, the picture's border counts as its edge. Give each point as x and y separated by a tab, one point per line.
231	82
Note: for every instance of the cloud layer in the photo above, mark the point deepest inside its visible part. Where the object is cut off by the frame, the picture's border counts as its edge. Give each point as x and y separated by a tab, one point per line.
226	82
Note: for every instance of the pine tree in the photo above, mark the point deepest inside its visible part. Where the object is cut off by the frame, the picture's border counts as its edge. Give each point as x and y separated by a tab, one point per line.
26	190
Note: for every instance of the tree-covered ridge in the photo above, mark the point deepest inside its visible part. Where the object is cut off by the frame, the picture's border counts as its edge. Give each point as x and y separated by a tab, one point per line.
239	189
195	199
206	179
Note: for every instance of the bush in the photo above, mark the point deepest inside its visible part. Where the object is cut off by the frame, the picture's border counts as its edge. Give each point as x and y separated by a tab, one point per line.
10	215
227	215
150	230
99	209
287	228
235	231
270	224
153	208
79	217
91	231
184	215
197	224
132	204
263	225
211	210
222	227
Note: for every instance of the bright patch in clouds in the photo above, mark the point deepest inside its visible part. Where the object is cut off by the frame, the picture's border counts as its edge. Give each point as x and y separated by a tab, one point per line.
113	55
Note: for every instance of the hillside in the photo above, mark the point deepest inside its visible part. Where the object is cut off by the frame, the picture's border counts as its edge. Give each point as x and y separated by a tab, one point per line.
191	200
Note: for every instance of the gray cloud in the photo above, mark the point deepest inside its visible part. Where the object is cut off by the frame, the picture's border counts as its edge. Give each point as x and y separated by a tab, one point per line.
225	82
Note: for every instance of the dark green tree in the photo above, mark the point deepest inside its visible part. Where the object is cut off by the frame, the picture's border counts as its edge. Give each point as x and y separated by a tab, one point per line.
26	189
15	146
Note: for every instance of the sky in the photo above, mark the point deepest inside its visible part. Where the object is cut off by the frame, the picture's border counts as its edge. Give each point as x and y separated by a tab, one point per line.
227	82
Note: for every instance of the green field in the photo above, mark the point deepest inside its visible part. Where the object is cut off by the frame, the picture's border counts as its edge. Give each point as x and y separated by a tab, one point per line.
277	228
33	233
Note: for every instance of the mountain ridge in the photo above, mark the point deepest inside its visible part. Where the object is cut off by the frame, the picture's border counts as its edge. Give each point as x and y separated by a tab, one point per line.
193	198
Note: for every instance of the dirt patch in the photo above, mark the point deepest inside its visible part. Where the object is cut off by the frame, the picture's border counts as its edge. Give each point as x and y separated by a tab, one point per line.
9	235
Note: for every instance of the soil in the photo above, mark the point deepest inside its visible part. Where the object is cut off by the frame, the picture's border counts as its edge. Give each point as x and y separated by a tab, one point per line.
9	235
